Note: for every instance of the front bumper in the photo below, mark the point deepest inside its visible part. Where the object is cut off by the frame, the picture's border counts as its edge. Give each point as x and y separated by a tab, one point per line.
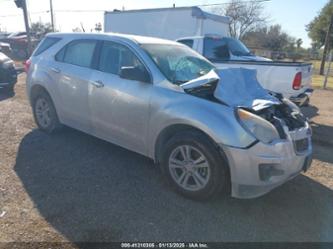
303	97
262	167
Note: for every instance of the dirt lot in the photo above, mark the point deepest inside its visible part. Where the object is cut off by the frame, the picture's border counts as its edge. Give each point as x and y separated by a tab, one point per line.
74	187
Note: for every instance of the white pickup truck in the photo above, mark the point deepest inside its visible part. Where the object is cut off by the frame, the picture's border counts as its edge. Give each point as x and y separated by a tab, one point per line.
208	34
291	79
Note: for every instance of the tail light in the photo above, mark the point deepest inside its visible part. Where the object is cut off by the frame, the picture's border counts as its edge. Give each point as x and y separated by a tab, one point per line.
297	81
27	64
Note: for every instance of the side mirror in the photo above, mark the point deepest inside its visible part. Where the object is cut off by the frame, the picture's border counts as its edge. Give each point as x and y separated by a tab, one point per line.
134	73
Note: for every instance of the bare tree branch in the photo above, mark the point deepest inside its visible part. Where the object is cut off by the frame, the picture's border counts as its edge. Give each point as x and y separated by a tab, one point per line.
244	16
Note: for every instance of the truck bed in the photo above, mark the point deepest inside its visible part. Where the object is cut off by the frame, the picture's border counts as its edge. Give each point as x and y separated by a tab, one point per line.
265	63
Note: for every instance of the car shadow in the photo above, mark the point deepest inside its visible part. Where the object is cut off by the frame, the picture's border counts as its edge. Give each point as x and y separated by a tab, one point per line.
91	190
322	136
4	94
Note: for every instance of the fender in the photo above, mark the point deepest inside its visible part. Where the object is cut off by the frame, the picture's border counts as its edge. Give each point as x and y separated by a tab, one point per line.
216	120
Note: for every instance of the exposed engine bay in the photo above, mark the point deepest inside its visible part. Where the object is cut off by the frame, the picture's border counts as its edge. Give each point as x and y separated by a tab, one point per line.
282	115
239	88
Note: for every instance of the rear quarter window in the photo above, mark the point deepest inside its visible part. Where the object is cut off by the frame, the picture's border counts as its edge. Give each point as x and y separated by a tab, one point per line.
77	52
46	44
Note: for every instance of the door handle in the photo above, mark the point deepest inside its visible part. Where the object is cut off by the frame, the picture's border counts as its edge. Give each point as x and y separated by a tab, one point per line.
56	70
97	83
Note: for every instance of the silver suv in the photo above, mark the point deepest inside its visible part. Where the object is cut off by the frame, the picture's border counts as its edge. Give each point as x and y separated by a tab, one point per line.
210	131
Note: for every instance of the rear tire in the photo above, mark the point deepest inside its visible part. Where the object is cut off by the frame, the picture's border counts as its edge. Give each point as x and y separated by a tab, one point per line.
45	113
194	167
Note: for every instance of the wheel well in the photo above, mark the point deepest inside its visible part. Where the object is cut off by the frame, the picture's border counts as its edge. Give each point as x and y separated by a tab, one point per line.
171	131
35	90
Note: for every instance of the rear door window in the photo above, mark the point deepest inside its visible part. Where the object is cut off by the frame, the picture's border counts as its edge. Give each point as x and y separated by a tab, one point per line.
79	53
46	44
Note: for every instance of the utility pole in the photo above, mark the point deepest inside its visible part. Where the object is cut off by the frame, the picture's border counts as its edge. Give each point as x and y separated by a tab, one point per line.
23	5
52	18
328	69
327	46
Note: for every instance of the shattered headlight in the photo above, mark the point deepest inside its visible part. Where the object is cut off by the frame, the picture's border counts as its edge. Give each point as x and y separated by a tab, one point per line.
257	126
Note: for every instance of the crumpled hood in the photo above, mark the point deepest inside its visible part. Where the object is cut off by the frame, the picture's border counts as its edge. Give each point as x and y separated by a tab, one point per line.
237	87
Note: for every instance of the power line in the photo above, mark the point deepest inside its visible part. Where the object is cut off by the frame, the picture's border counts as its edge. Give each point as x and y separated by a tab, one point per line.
216	4
47	11
36	12
83	11
79	10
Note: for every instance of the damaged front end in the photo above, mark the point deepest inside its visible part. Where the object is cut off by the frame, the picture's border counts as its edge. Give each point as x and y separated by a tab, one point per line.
288	120
239	88
283	148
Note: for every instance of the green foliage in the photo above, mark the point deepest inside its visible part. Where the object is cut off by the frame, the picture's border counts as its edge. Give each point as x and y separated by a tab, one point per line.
271	38
317	28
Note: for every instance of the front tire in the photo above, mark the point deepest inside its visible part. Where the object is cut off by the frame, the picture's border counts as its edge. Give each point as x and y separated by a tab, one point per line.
45	113
194	167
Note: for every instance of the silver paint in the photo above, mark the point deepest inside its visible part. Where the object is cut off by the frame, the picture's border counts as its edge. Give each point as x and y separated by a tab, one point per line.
133	114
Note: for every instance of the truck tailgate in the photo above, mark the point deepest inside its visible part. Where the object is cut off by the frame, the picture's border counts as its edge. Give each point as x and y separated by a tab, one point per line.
276	76
306	76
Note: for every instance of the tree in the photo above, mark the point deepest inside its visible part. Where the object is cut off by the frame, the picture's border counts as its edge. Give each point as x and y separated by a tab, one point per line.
299	43
39	30
98	27
271	38
244	16
317	28
320	31
76	29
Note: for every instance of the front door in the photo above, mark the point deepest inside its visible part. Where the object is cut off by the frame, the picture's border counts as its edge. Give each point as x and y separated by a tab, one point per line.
120	107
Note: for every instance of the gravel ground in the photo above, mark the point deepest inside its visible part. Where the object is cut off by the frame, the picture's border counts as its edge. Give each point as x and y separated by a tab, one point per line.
74	187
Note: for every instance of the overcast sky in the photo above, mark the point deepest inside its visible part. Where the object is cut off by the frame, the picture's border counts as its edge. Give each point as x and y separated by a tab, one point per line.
293	15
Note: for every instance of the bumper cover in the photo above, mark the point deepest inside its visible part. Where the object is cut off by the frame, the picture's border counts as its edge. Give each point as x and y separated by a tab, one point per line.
262	167
303	97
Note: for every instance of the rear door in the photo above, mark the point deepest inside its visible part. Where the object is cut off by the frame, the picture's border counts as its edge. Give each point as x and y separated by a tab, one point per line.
73	67
120	107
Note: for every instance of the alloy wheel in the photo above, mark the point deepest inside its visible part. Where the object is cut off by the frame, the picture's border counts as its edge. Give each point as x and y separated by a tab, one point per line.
189	168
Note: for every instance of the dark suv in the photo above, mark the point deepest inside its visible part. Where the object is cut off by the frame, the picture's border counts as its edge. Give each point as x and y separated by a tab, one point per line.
8	74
